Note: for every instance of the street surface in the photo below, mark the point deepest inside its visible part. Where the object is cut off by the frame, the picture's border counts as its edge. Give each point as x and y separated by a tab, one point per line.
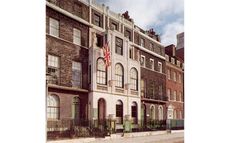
165	138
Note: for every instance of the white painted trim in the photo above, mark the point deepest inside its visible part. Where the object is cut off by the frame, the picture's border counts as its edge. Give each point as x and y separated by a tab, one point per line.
66	41
148	51
144	65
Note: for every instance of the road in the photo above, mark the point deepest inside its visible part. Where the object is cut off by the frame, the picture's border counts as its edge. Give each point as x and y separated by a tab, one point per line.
165	138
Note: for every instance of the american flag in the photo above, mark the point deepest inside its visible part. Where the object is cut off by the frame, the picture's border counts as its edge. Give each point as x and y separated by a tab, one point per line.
106	54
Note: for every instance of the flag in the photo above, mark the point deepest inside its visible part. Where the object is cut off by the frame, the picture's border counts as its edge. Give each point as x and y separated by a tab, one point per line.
106	54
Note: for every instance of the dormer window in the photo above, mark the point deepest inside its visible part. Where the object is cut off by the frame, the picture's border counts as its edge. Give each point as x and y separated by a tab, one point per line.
172	60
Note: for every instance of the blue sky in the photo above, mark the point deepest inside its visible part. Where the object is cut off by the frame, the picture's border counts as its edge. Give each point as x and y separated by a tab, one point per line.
166	17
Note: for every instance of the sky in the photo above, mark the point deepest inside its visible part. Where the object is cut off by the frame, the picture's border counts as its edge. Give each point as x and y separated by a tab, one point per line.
166	17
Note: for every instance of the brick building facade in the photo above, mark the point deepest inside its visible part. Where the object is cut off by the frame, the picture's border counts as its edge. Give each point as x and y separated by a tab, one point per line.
131	91
174	83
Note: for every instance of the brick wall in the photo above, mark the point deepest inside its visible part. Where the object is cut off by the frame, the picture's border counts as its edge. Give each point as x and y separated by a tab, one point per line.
64	48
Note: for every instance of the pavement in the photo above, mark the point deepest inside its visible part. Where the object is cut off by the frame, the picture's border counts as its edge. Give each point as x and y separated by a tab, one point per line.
147	137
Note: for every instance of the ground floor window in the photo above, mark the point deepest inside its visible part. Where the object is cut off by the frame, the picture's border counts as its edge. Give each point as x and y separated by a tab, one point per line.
53	107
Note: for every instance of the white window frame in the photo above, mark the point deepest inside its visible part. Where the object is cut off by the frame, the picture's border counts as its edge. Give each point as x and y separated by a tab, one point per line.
172	60
76	36
168	74
174	95
178	63
160	114
143	61
167	57
160	65
152	64
77	66
142	42
174	76
168	93
153	116
54	27
179	77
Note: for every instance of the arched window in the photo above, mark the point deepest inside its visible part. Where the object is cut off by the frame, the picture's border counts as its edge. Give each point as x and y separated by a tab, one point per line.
53	107
119	75
152	112
119	112
134	79
134	112
76	110
160	112
101	72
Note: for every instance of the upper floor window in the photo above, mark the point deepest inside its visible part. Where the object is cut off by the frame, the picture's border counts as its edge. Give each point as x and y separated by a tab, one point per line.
97	20
76	36
53	27
101	72
131	52
167	58
174	76
152	64
128	34
99	40
76	74
142	62
53	68
172	60
53	107
119	46
119	75
143	88
114	26
179	78
180	96
160	67
134	79
174	94
142	42
178	63
168	93
168	73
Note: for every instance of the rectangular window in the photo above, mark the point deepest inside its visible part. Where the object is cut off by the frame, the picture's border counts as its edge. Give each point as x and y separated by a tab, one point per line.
76	74
76	36
178	63
168	74
174	76
172	60
97	20
180	96
167	58
142	42
153	89
143	86
168	93
152	64
119	46
53	68
131	52
114	26
174	94
99	40
142	62
179	78
128	34
53	27
160	67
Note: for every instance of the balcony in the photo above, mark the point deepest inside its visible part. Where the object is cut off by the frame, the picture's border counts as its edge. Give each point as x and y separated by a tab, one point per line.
157	97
